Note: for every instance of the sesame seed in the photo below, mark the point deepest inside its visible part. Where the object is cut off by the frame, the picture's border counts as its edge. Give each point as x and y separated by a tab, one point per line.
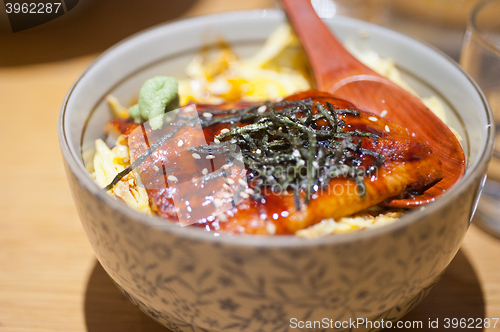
254	223
383	114
244	195
180	143
196	156
204	171
261	109
225	186
226	166
218	202
242	182
222	217
230	181
275	216
263	216
258	151
207	115
372	118
285	214
210	156
216	141
172	178
250	191
387	128
271	228
156	168
189	109
225	130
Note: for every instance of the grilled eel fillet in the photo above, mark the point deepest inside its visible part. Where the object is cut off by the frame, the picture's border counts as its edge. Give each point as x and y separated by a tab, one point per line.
410	167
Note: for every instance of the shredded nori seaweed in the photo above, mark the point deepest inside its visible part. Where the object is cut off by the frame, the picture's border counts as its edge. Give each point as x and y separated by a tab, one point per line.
283	146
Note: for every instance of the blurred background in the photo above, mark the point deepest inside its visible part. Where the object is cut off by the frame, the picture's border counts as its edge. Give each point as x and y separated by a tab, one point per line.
91	26
441	23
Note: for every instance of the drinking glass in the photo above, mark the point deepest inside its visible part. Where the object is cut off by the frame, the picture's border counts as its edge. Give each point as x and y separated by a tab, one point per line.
480	57
441	23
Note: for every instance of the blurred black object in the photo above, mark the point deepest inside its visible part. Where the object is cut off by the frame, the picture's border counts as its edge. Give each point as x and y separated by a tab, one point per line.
87	26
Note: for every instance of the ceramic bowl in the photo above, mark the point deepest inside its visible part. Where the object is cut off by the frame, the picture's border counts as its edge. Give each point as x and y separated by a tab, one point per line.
190	280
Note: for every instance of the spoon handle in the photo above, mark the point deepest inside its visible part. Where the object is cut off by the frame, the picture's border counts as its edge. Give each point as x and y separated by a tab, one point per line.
330	61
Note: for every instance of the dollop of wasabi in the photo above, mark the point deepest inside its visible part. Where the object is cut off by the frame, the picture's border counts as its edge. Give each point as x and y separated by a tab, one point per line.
135	113
157	96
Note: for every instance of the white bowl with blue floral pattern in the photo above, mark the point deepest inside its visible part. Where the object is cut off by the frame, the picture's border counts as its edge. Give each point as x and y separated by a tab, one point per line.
190	280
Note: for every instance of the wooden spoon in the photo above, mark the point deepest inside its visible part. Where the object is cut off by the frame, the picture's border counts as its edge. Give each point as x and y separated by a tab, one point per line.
339	73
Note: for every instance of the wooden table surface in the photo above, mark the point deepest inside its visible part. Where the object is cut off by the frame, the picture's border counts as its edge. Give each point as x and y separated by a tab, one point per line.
50	279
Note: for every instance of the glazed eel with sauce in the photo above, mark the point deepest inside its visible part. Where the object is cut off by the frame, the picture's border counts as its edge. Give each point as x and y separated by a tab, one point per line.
276	168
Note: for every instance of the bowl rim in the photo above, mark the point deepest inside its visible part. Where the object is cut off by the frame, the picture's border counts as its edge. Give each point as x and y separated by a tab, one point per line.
76	166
